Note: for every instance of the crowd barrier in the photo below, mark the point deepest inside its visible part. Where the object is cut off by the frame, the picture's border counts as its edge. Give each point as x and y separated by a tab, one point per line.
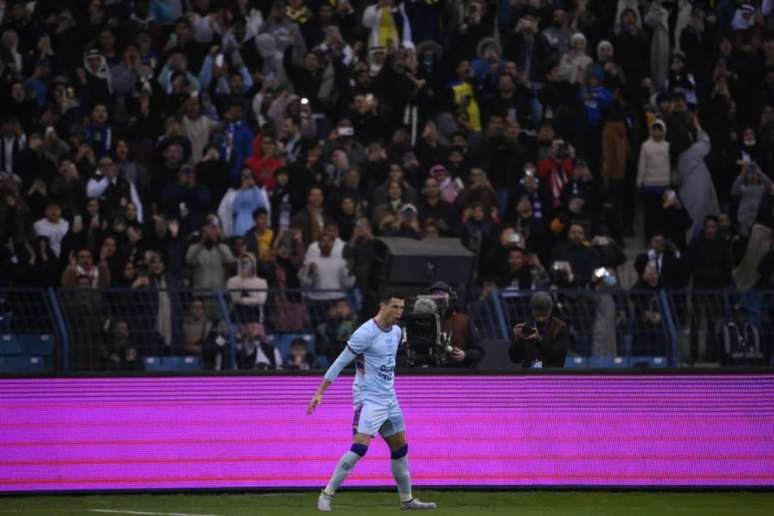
48	330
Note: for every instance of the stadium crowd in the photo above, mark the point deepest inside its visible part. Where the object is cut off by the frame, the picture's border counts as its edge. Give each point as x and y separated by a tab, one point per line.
247	144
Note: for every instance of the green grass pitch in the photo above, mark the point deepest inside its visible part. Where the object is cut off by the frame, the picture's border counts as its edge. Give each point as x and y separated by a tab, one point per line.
516	503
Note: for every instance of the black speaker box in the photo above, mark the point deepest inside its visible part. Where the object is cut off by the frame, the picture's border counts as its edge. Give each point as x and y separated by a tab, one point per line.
405	261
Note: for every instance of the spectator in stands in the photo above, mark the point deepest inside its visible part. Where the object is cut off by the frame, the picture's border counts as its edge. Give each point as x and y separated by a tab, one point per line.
710	263
748	190
654	173
82	272
328	273
248	291
649	327
254	351
53	227
299	357
574	261
336	326
209	257
310	221
331	229
666	261
122	352
260	237
250	197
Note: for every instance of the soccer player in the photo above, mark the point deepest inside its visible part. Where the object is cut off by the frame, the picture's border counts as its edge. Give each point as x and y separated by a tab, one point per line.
373	347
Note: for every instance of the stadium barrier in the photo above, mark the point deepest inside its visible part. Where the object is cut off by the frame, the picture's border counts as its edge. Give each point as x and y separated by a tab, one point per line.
45	330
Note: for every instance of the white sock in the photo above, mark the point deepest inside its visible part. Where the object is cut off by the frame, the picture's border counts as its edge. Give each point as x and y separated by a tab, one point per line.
343	468
402	477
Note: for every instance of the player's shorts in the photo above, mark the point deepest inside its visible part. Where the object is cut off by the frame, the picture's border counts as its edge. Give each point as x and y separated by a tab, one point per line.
370	418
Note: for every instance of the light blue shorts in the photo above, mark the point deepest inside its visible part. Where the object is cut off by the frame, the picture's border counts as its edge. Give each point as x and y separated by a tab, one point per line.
370	418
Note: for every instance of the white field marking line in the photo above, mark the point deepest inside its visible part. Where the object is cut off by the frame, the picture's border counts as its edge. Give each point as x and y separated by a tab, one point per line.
146	513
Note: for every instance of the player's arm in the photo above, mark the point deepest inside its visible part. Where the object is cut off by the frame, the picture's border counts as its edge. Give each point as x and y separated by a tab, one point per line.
357	344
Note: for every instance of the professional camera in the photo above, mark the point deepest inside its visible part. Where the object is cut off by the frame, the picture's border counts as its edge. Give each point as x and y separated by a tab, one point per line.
427	345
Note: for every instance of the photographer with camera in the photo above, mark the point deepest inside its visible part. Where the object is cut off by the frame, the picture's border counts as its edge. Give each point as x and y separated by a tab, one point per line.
543	340
465	350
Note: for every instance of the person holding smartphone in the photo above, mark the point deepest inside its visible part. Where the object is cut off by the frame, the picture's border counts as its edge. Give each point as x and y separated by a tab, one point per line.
543	340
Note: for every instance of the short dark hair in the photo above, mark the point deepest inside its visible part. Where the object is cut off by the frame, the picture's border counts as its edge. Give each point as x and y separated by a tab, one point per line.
713	218
388	295
259	211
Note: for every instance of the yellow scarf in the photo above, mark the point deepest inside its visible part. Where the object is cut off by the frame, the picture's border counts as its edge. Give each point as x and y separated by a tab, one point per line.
465	98
387	31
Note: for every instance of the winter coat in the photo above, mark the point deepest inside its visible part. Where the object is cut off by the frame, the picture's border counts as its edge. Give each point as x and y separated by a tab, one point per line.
654	168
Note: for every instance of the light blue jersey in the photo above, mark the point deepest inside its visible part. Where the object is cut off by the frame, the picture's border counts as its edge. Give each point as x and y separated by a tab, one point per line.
373	349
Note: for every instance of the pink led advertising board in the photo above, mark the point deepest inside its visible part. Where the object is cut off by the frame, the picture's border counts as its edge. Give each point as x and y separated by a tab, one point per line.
93	434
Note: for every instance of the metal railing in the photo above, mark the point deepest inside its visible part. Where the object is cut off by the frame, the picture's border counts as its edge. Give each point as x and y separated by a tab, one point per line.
148	329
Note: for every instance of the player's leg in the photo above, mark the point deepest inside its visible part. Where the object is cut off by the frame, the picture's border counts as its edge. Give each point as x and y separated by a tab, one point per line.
368	419
394	433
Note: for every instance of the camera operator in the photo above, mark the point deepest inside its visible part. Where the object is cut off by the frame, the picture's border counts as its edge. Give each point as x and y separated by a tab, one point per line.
543	340
466	351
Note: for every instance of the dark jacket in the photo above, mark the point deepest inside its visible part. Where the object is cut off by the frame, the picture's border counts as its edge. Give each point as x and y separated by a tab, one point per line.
550	347
465	336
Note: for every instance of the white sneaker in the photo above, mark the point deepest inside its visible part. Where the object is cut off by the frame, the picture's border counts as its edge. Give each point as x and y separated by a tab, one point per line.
324	502
416	505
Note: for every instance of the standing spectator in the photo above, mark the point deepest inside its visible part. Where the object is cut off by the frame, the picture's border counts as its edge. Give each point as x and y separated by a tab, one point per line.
53	227
666	261
749	189
186	201
654	172
260	237
209	257
694	183
710	263
249	198
574	260
82	272
248	291
326	273
237	141
310	221
331	229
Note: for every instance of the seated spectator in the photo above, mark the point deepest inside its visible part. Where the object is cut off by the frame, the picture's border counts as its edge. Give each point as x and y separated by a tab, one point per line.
248	291
335	328
390	209
122	352
197	328
255	351
299	357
